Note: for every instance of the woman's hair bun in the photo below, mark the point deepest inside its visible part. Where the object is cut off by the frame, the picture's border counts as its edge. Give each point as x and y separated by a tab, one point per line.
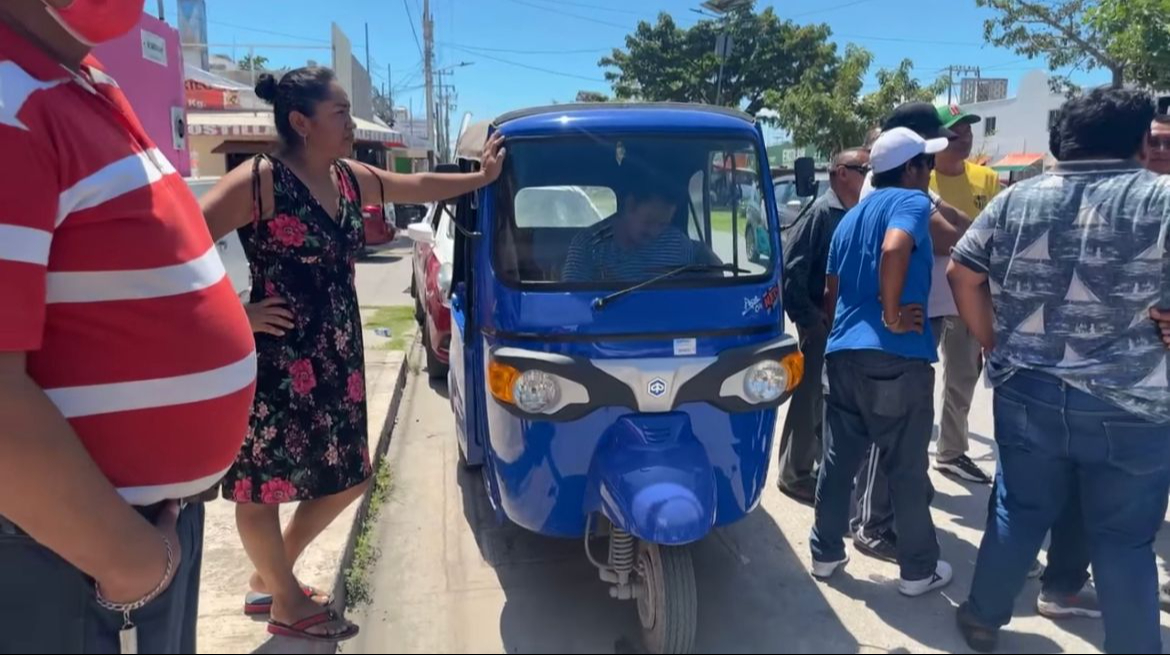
266	87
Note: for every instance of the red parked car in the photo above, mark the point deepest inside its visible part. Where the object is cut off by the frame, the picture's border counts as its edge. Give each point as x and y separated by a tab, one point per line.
379	224
430	284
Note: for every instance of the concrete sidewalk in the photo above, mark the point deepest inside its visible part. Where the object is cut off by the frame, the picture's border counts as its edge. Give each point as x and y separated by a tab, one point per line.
223	628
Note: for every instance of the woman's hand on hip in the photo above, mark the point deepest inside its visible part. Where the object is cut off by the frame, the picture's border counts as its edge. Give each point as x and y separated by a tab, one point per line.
270	316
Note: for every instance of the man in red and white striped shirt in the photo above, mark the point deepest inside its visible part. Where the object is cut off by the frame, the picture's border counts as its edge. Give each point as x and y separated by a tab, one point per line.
126	362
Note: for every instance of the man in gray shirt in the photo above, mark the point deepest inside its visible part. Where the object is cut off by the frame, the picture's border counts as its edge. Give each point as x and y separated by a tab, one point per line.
1058	280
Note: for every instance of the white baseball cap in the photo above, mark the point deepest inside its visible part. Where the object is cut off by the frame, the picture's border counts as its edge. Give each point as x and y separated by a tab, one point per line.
899	145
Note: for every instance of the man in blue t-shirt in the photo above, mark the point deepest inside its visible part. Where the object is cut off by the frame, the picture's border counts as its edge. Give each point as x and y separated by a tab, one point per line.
880	383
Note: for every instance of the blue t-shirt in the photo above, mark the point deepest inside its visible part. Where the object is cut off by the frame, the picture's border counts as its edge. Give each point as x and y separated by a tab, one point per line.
854	257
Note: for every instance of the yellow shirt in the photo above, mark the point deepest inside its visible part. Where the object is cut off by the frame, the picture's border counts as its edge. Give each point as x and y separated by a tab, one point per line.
969	193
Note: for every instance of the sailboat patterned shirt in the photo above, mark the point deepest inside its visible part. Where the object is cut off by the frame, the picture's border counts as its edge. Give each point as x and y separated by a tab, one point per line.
1075	259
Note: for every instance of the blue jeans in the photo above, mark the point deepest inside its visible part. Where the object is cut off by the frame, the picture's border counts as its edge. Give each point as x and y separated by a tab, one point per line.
1055	441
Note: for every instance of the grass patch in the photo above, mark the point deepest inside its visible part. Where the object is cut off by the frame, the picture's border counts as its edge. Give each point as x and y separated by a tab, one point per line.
721	220
366	551
399	319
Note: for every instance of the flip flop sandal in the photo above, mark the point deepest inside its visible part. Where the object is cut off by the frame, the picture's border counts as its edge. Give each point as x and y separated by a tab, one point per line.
258	604
300	629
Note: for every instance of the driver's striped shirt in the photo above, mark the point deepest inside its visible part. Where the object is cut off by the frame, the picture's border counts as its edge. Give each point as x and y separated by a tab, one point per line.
595	256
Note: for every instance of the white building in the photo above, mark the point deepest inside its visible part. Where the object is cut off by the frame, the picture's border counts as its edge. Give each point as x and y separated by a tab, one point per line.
1016	126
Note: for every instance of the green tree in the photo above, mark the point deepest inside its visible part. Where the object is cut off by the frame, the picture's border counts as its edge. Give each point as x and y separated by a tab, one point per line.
254	62
836	115
665	62
1129	38
591	96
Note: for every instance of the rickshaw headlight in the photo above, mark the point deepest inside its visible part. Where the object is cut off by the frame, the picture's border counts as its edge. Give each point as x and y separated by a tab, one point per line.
765	381
535	391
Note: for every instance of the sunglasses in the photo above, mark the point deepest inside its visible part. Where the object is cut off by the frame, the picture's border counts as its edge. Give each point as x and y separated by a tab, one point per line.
858	168
1160	143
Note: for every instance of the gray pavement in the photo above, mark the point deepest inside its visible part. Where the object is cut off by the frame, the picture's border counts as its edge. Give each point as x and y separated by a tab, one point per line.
383	276
451	580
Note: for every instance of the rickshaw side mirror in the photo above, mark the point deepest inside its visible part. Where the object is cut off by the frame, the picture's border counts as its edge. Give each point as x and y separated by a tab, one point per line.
806	177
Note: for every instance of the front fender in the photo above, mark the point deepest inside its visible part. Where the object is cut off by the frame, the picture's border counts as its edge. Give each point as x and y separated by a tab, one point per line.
653	479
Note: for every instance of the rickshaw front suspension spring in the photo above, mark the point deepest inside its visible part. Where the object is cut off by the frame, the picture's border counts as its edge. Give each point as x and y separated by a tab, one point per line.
621	551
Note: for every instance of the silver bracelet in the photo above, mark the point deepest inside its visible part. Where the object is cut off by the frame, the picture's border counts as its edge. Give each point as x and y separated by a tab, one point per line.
126	608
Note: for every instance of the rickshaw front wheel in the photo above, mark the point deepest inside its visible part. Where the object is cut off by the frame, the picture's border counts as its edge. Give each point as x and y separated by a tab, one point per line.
667	598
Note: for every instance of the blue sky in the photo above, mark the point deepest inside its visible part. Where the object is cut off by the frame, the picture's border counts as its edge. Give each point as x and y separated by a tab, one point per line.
529	52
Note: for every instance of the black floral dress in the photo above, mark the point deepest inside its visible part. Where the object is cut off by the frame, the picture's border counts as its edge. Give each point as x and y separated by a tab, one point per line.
307	437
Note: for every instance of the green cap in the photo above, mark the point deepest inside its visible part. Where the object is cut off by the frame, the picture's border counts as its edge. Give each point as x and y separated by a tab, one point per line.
952	115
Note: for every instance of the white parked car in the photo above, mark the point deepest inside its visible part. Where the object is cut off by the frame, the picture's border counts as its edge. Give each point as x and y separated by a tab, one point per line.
231	251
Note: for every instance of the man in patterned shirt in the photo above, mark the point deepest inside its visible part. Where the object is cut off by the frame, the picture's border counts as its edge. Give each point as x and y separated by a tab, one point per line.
1057	280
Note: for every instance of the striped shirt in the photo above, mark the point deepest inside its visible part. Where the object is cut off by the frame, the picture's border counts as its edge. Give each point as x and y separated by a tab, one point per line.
595	256
110	282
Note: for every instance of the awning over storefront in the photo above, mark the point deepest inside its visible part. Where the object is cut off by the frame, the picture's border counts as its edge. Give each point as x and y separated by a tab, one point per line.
371	131
258	126
1018	161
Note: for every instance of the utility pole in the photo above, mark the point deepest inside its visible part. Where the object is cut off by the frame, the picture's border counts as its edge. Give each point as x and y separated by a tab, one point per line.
440	148
428	71
390	87
953	70
369	70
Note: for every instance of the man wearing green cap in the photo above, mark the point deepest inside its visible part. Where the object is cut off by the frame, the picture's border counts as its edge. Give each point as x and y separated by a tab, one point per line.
968	187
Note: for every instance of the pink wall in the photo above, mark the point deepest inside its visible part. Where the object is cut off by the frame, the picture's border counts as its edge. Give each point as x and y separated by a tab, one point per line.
152	81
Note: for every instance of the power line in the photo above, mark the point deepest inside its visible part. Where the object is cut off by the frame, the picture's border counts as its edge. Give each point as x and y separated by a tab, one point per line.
586	5
863	37
571	15
833	8
527	52
527	66
1006	65
410	19
262	31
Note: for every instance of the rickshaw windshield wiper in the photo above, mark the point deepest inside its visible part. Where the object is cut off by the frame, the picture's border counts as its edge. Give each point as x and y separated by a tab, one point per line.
604	301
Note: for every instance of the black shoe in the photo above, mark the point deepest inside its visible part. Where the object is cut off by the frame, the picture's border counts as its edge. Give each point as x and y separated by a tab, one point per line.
884	548
962	467
804	492
979	637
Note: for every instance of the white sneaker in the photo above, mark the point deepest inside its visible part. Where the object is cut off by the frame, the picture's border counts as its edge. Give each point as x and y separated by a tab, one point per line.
825	570
940	578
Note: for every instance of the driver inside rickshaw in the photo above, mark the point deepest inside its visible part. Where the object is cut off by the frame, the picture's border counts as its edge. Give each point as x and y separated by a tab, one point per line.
639	241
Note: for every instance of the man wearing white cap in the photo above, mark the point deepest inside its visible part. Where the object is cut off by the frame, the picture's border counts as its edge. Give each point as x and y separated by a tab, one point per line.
880	382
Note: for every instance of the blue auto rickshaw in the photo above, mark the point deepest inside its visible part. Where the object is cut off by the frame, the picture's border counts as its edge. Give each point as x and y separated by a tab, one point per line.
617	358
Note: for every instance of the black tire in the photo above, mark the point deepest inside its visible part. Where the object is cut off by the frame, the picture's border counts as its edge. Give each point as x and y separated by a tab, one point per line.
436	369
668	610
413	287
420	314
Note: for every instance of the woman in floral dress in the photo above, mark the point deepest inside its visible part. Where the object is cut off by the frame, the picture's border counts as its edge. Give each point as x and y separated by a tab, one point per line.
299	216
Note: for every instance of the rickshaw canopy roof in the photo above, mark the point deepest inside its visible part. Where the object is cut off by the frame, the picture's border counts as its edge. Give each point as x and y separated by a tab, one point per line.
608	118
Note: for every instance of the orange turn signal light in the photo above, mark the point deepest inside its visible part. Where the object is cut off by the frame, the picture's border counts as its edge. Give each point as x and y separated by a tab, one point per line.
793	363
501	380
